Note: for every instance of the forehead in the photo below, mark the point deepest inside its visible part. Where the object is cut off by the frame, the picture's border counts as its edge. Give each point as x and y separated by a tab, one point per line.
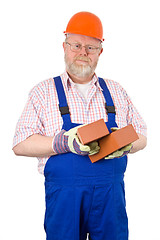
83	39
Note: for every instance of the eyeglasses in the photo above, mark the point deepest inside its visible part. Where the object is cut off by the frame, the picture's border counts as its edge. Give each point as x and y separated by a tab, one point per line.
76	47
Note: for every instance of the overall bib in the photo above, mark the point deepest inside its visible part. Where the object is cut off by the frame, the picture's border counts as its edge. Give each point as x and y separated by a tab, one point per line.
84	197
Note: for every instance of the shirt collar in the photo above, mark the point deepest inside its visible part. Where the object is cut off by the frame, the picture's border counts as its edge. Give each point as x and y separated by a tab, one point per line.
69	83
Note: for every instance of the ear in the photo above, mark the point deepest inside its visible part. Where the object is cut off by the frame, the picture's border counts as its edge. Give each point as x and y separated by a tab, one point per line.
101	51
64	46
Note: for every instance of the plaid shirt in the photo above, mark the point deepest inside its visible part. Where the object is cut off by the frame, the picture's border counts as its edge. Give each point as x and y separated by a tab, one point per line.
41	114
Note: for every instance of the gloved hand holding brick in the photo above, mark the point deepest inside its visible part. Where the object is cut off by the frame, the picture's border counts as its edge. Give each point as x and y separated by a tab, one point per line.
113	145
120	152
68	141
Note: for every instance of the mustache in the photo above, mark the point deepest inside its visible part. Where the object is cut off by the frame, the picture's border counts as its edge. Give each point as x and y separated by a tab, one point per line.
83	58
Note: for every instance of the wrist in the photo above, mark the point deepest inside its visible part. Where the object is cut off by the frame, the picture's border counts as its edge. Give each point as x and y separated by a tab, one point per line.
60	143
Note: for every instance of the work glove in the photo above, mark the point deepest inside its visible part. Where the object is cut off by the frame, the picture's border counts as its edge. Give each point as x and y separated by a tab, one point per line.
121	152
68	141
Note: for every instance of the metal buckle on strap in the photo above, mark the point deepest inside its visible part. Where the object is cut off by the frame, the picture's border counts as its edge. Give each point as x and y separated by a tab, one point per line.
110	109
64	110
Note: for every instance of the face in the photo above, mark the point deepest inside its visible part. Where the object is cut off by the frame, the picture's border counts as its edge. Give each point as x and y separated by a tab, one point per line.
81	64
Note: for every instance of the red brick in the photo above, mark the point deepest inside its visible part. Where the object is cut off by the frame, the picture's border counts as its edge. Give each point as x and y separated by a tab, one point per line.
92	131
115	141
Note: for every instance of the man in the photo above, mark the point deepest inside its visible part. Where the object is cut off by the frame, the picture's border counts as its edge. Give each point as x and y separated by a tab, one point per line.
81	197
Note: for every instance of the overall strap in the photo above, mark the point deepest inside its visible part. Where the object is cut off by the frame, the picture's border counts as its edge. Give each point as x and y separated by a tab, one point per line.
109	105
63	106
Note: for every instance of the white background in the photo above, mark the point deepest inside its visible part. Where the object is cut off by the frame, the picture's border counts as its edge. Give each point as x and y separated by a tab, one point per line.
30	52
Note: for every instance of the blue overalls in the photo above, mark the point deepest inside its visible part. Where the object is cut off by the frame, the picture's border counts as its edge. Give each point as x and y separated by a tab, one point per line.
84	197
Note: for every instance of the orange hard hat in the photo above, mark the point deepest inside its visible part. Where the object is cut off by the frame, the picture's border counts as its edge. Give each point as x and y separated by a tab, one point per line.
85	23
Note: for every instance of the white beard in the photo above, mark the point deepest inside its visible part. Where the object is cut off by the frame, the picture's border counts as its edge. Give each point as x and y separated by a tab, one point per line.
80	71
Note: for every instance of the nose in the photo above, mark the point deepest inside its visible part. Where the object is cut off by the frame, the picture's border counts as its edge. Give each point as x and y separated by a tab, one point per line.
83	51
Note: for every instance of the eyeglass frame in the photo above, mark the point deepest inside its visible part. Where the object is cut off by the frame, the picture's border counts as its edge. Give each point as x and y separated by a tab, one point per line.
85	46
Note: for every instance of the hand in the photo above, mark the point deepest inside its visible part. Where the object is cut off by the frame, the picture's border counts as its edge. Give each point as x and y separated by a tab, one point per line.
120	153
68	141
